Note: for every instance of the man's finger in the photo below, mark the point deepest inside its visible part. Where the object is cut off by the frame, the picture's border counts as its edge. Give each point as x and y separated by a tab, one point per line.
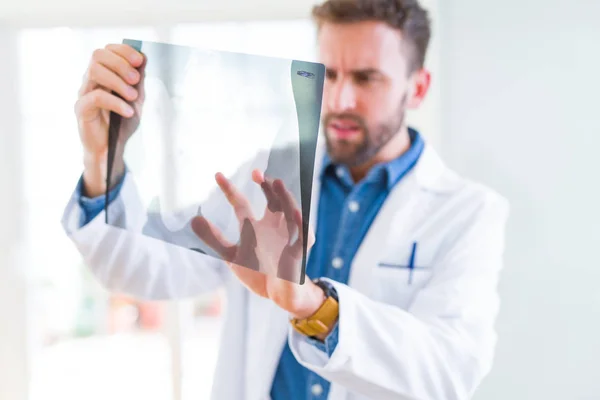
273	202
87	107
134	57
213	238
298	247
104	76
288	266
241	205
258	176
288	205
124	69
140	86
286	196
246	255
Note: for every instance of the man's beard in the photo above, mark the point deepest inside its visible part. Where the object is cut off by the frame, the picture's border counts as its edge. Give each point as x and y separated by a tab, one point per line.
373	140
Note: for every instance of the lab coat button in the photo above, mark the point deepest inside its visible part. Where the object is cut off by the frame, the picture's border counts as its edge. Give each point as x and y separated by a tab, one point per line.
337	263
316	389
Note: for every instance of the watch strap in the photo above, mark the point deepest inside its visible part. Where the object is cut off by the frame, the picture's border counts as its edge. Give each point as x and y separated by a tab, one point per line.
324	318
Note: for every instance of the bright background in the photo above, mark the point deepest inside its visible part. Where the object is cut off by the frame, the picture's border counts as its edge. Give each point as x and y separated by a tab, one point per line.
513	105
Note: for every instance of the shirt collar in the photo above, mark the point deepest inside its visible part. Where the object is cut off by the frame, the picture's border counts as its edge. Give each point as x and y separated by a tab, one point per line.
391	171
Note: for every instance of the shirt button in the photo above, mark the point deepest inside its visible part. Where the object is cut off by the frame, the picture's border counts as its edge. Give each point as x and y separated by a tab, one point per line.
353	206
337	263
316	389
339	171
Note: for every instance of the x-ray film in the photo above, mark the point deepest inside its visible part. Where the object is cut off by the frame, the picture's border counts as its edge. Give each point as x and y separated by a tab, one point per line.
219	156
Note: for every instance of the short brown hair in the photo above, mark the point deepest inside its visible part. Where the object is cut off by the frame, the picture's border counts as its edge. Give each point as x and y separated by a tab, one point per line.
407	16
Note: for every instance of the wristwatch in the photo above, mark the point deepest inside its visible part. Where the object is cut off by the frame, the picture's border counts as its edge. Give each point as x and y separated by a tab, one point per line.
325	317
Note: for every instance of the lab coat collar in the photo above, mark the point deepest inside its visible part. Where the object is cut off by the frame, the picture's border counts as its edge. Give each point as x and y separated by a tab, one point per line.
430	172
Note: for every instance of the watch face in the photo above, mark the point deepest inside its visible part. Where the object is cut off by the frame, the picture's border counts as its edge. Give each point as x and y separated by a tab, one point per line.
327	287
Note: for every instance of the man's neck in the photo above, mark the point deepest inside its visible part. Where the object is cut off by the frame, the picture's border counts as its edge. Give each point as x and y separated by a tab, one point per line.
397	146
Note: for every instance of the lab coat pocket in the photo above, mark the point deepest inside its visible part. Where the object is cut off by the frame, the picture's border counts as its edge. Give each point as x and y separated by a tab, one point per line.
399	276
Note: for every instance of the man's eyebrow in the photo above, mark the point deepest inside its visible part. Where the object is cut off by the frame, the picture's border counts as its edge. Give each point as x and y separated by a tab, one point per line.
366	71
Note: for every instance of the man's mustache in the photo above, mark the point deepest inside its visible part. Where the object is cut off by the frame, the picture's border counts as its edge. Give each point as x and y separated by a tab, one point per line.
353	117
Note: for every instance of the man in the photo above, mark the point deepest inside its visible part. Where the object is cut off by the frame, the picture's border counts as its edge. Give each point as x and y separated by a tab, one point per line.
406	254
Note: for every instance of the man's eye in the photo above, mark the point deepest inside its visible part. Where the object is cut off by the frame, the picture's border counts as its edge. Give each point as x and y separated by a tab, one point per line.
362	78
330	75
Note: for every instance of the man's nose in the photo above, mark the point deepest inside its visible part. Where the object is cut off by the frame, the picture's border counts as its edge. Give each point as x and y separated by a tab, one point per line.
342	97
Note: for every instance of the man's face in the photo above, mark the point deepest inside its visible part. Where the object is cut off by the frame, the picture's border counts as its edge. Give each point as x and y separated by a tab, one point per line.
366	88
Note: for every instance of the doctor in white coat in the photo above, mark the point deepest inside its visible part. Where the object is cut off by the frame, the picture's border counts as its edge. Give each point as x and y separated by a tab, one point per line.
406	253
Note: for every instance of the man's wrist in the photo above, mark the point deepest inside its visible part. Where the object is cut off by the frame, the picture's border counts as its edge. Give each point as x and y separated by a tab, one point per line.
94	175
314	299
321	318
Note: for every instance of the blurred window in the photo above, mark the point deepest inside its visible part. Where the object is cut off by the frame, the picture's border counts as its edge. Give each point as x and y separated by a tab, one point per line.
83	332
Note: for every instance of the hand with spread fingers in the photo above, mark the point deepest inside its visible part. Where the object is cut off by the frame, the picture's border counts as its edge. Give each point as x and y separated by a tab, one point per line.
269	248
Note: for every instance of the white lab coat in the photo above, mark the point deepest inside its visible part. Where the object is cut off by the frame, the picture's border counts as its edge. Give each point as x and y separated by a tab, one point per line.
432	339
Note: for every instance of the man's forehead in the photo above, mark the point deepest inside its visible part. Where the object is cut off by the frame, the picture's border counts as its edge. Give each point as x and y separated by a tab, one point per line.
359	46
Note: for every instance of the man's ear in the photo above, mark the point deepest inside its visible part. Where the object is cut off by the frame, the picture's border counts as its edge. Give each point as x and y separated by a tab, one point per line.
418	84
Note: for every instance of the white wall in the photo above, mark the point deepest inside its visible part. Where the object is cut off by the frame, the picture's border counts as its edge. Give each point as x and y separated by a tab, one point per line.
426	117
14	339
520	113
148	12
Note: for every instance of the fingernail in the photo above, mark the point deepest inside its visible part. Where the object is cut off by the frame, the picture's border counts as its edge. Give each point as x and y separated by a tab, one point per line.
131	92
128	110
136	58
133	75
